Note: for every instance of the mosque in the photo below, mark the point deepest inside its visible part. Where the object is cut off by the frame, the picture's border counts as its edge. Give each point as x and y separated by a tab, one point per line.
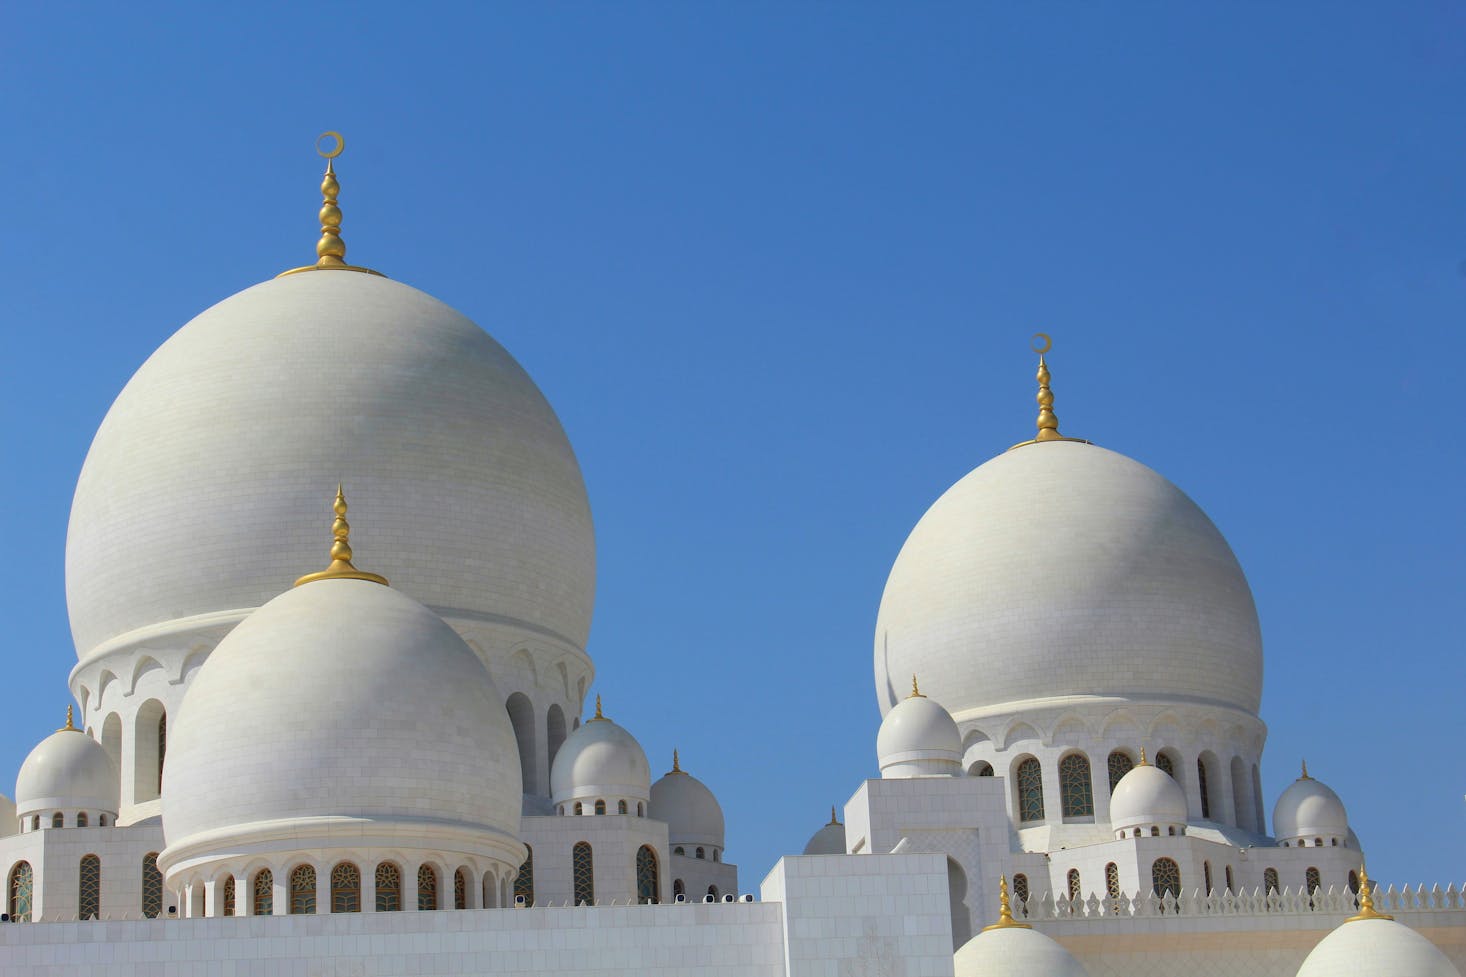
369	751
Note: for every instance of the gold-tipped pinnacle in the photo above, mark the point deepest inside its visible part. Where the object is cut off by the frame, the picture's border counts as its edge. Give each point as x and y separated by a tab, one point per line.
330	249
1143	761
1005	910
68	725
597	718
1304	775
833	818
1366	900
340	568
1048	421
676	763
915	690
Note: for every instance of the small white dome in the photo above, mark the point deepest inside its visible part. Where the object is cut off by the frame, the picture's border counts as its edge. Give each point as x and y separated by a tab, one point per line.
1376	946
1014	951
1147	796
1309	810
1064	569
692	814
829	840
339	712
67	770
600	761
919	738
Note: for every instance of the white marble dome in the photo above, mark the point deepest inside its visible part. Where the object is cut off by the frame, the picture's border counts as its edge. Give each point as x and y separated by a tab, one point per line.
1147	797
600	761
1376	946
341	712
685	804
828	840
1014	951
1063	569
918	738
1309	810
213	466
67	771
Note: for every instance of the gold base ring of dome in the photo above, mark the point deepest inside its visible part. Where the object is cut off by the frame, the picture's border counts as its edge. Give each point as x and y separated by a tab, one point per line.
368	271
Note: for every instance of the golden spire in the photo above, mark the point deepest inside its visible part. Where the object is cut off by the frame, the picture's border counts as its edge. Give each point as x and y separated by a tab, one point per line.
833	818
1048	421
1366	900
340	568
1005	911
68	725
676	763
598	717
1143	761
1304	775
330	249
915	692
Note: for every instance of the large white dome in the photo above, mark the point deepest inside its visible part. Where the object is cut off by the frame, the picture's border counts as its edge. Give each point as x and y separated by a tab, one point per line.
341	711
1376	946
1062	569
203	490
1014	951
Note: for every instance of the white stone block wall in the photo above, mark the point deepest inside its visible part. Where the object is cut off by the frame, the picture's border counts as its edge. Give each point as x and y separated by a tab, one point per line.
55	856
698	874
614	841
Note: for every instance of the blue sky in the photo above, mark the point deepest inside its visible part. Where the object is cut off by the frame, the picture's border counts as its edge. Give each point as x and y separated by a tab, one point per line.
776	266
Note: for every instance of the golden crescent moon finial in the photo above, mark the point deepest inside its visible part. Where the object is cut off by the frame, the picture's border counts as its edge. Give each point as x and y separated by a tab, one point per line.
1042	343
332	153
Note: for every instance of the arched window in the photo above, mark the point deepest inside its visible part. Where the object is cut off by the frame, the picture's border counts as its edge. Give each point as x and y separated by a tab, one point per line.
389	888
600	807
460	890
1112	880
1270	880
524	881
1231	887
678	888
521	717
1164	762
303	891
345	888
1073	880
1165	876
89	888
713	891
22	881
980	769
1155	832
554	731
1119	764
640	809
700	853
228	895
648	885
1020	891
36	823
717	855
58	820
679	850
1206	878
579	809
263	893
583	873
620	807
1354	882
1201	785
427	888
101	820
1076	793
152	886
81	819
1311	880
1030	791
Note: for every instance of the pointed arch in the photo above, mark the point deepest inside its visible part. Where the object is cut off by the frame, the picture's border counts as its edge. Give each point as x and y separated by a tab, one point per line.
144	664
1076	788
554	731
21	892
521	717
1029	787
1018	732
152	886
648	880
89	887
524	881
583	873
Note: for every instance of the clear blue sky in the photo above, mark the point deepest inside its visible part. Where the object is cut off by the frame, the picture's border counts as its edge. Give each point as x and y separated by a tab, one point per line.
776	266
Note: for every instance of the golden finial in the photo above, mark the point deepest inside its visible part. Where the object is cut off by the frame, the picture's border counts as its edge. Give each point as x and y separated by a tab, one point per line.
598	717
340	568
1304	775
1005	911
833	818
676	763
915	692
68	725
330	249
1048	421
1143	761
1366	900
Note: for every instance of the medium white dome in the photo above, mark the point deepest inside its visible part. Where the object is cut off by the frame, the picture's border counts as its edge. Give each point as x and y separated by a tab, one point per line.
1147	796
339	712
600	760
1014	951
67	770
685	804
1062	569
829	840
918	738
1309	809
1376	946
213	465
